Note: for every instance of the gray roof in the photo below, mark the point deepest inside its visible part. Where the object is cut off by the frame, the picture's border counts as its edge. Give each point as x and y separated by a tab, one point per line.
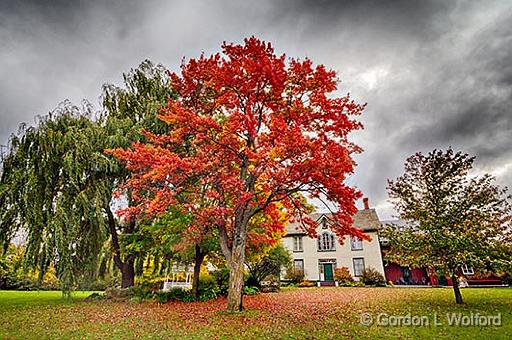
398	223
366	220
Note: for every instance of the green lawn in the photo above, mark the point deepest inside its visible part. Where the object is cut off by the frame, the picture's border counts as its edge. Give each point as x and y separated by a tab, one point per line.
312	313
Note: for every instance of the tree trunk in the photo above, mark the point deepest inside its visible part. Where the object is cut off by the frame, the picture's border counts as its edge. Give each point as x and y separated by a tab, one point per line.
456	289
236	279
236	258
128	274
126	267
198	261
103	267
156	264
139	266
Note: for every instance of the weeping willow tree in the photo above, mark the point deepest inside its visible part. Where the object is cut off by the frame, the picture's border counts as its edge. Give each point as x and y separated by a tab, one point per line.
54	185
58	184
127	111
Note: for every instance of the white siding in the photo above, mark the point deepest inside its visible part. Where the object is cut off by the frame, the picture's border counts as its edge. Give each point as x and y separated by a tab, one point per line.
343	254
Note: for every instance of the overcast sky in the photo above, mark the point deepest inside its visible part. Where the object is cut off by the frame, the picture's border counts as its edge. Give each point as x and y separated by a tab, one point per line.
434	74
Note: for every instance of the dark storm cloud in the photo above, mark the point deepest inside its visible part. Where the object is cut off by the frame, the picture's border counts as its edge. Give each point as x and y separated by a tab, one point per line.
434	73
470	96
53	50
458	94
437	74
69	16
405	17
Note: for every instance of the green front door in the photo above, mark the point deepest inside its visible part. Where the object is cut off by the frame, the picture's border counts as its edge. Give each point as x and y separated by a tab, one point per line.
328	272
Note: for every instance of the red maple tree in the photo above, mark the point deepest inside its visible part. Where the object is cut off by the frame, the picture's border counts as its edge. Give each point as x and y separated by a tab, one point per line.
251	134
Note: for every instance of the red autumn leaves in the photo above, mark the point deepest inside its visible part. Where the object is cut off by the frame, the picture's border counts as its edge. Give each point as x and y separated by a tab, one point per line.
248	134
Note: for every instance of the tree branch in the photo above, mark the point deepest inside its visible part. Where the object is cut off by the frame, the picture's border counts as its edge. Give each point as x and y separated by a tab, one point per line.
115	240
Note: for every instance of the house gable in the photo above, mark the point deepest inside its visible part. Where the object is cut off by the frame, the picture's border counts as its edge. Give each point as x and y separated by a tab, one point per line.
318	257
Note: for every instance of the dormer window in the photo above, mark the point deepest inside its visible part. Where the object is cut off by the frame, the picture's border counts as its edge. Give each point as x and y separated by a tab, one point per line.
326	242
324	223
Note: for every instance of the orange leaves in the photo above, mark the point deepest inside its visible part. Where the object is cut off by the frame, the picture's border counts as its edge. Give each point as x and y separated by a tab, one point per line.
249	129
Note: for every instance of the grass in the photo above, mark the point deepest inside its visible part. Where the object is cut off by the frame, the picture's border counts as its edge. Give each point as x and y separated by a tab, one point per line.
307	313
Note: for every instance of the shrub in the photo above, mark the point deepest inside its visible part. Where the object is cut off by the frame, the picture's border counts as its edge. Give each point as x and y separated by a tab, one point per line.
295	275
208	287
372	277
161	296
342	275
135	299
12	275
95	297
270	286
355	284
154	283
209	294
20	283
175	294
103	284
207	281
269	266
142	292
221	276
251	290
507	279
121	293
50	285
307	283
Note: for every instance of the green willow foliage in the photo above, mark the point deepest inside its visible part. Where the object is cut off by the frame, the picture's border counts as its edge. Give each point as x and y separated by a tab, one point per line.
54	185
126	111
57	183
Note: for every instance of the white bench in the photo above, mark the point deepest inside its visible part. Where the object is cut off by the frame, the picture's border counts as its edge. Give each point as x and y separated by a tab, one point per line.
171	285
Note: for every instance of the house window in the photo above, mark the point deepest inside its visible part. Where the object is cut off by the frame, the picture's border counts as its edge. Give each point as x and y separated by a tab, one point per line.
297	244
324	223
298	264
326	242
358	266
466	270
356	243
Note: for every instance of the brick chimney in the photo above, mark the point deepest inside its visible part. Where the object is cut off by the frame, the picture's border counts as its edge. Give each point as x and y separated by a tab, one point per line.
365	202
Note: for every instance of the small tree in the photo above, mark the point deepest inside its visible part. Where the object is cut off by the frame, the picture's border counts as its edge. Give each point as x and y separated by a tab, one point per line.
295	275
269	265
342	275
372	277
454	219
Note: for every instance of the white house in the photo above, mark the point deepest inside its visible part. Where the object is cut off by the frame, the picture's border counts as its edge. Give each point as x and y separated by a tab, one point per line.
319	257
